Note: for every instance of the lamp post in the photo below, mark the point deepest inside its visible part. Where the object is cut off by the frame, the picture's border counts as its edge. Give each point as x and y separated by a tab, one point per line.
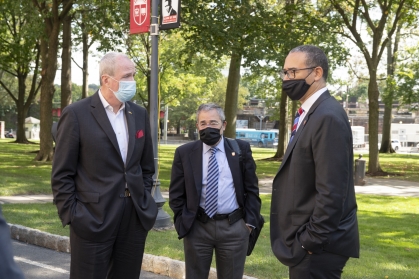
163	219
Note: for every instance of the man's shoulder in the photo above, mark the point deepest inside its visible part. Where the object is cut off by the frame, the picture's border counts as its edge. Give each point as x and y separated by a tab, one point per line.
80	104
240	142
189	146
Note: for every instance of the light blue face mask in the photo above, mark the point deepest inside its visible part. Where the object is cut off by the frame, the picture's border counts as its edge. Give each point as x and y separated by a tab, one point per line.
126	91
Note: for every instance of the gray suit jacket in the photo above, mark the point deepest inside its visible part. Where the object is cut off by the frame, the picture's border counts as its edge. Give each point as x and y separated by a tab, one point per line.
313	197
186	184
8	267
89	175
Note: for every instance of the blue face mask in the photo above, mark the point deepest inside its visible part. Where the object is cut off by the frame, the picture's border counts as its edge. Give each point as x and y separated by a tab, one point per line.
126	91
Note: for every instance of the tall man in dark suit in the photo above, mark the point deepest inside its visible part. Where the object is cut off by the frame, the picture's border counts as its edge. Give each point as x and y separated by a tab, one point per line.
215	203
314	228
102	176
8	267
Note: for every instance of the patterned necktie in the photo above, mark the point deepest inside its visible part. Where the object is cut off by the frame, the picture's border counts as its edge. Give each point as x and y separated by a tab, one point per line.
211	199
296	119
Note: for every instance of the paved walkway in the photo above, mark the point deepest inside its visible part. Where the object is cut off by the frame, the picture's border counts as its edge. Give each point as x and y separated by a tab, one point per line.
375	186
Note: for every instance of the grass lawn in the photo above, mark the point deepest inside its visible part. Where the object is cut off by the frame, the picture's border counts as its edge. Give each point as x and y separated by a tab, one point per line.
388	228
388	225
20	174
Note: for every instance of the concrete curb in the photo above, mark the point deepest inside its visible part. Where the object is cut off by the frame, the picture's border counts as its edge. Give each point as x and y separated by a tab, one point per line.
156	264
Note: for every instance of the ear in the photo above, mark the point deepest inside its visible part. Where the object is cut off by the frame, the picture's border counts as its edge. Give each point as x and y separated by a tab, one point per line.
318	73
105	79
224	125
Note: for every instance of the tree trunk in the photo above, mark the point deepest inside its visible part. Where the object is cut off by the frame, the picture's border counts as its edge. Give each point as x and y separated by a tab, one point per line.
85	88
49	51
66	63
232	92
282	142
47	92
23	105
389	96
373	163
385	141
21	111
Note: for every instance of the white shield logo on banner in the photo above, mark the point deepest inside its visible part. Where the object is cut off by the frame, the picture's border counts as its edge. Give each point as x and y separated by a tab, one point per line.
140	11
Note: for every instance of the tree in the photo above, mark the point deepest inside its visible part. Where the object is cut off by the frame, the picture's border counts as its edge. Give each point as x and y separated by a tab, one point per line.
237	29
102	22
66	61
181	75
53	14
19	57
386	17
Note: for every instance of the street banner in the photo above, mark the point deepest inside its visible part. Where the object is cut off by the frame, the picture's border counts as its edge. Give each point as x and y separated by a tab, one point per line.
139	16
169	14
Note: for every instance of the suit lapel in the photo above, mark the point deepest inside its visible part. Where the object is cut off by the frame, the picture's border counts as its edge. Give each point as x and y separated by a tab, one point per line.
195	156
234	164
290	147
129	114
98	111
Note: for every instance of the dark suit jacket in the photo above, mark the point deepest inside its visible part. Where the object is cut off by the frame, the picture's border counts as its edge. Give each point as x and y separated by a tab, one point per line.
313	197
186	184
8	267
89	175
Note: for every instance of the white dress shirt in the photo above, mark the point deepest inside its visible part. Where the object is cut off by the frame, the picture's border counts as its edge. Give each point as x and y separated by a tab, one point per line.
308	103
119	125
227	201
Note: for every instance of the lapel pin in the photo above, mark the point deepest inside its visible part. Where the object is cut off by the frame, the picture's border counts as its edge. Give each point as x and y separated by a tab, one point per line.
304	122
129	112
233	153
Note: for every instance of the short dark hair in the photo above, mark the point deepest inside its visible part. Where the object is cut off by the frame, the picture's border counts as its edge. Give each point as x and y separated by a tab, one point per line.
211	106
315	56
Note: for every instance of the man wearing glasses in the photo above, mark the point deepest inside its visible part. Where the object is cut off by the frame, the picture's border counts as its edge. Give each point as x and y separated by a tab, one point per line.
215	200
314	228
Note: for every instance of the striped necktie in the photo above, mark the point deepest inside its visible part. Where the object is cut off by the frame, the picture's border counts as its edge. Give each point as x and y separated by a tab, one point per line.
211	198
295	125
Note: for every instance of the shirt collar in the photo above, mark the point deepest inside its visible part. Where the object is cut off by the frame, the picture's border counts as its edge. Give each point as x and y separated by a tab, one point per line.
313	98
106	105
220	146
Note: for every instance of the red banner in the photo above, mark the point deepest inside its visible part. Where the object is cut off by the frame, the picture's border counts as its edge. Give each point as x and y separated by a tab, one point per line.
139	16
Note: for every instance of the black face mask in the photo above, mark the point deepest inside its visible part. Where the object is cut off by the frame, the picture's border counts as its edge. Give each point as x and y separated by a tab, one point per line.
295	88
210	136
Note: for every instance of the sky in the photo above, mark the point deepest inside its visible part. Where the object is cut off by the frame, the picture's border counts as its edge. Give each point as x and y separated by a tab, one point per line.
76	72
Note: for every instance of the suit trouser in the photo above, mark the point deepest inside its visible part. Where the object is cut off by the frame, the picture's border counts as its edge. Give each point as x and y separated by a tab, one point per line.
325	265
119	257
230	244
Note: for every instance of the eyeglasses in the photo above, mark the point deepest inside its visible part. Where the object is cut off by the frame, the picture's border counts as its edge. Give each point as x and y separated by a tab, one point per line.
291	73
212	124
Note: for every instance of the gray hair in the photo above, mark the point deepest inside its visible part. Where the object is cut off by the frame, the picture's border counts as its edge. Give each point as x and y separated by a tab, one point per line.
108	62
211	106
315	57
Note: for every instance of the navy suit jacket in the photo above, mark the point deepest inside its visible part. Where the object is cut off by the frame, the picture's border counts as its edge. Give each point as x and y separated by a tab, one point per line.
89	175
313	196
186	184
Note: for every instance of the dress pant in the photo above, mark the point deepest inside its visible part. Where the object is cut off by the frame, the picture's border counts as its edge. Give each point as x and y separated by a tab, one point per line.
119	257
230	245
325	265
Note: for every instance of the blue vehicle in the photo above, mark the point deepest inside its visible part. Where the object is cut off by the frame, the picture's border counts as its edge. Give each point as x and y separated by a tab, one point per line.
259	138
